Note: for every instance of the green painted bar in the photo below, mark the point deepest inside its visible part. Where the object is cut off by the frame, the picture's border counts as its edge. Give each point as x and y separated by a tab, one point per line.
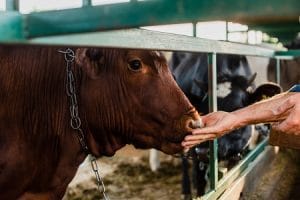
234	173
277	27
144	39
86	2
285	32
12	5
155	12
277	71
213	106
293	53
11	26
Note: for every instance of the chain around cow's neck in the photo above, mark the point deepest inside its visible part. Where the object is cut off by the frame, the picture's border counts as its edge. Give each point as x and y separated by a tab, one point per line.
75	119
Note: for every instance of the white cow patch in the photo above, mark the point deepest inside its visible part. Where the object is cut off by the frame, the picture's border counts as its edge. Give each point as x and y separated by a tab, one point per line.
154	160
223	89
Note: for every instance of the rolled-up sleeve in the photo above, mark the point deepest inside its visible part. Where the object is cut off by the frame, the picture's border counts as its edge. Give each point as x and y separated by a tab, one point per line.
295	88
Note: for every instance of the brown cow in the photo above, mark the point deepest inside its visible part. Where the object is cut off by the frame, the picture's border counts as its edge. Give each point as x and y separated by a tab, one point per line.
289	69
289	72
125	96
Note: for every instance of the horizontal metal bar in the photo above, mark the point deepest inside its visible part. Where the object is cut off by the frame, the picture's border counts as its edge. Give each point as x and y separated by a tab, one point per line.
277	27
144	39
155	12
12	5
291	53
225	182
11	26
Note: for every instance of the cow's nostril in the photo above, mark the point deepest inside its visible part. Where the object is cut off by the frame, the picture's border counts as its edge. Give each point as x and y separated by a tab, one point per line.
194	123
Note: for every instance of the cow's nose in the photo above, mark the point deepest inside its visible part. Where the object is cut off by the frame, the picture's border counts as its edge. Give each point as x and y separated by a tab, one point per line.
194	121
191	123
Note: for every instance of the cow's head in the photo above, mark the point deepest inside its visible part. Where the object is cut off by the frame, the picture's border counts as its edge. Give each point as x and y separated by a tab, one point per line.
130	96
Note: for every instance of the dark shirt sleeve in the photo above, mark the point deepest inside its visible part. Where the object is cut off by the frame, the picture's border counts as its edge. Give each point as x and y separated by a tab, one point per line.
295	88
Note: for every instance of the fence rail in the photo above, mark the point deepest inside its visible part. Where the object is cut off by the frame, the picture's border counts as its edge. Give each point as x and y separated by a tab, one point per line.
266	13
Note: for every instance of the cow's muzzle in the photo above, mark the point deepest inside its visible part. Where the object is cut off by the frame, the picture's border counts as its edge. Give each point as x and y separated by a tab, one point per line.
188	122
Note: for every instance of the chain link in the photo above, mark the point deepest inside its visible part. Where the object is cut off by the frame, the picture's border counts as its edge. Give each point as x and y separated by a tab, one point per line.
100	183
75	121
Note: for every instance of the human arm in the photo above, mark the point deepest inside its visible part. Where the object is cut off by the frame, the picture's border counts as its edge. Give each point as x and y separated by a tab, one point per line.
291	124
275	109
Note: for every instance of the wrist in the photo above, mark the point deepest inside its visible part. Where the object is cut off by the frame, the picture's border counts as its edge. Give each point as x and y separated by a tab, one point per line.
240	119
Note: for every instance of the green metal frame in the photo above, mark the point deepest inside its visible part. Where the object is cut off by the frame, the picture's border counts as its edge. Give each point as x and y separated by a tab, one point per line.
213	106
155	12
81	26
234	173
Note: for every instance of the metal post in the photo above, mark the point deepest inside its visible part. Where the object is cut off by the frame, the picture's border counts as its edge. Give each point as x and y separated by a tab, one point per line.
86	3
277	76
212	94
12	5
227	31
194	29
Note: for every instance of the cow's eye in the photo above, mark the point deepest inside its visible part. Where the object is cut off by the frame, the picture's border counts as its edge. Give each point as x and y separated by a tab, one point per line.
135	65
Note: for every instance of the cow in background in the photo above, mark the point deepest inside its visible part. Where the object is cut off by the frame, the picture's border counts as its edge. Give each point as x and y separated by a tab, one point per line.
289	69
235	90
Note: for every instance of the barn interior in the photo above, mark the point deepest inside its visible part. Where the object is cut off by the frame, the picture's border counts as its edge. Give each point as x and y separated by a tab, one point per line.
260	30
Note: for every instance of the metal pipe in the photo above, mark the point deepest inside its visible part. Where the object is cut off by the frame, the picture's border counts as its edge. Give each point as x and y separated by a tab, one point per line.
86	3
194	29
12	5
277	78
227	31
212	94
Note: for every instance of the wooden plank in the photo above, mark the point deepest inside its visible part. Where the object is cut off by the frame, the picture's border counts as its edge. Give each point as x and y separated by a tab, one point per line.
234	173
251	176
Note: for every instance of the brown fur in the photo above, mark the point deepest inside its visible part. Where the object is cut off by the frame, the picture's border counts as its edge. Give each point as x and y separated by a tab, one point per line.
39	150
289	72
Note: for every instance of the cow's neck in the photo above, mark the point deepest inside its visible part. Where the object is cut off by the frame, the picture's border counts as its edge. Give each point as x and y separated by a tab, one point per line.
35	118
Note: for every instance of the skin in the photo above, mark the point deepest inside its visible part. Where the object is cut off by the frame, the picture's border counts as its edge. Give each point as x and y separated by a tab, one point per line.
282	111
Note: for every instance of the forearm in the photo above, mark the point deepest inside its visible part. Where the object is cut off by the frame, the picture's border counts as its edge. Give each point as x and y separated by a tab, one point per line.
263	111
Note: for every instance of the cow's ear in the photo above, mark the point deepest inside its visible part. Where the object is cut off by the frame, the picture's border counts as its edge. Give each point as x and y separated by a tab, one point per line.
265	91
90	60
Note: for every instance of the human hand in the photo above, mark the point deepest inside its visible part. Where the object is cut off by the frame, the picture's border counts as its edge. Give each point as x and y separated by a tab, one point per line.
291	124
215	124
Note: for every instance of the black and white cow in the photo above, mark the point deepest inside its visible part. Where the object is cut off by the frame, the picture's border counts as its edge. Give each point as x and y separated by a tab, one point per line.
235	89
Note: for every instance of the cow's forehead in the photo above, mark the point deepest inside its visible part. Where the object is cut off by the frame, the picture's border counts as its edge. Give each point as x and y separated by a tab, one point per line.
145	53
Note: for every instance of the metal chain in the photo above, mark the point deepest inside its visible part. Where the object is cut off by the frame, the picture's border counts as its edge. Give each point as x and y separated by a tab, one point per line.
100	183
75	121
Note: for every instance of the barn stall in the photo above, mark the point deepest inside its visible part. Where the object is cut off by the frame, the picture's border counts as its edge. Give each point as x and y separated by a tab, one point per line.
116	25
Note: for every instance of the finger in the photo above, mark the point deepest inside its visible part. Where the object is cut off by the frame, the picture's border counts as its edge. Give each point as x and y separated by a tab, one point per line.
189	146
199	137
204	131
191	143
